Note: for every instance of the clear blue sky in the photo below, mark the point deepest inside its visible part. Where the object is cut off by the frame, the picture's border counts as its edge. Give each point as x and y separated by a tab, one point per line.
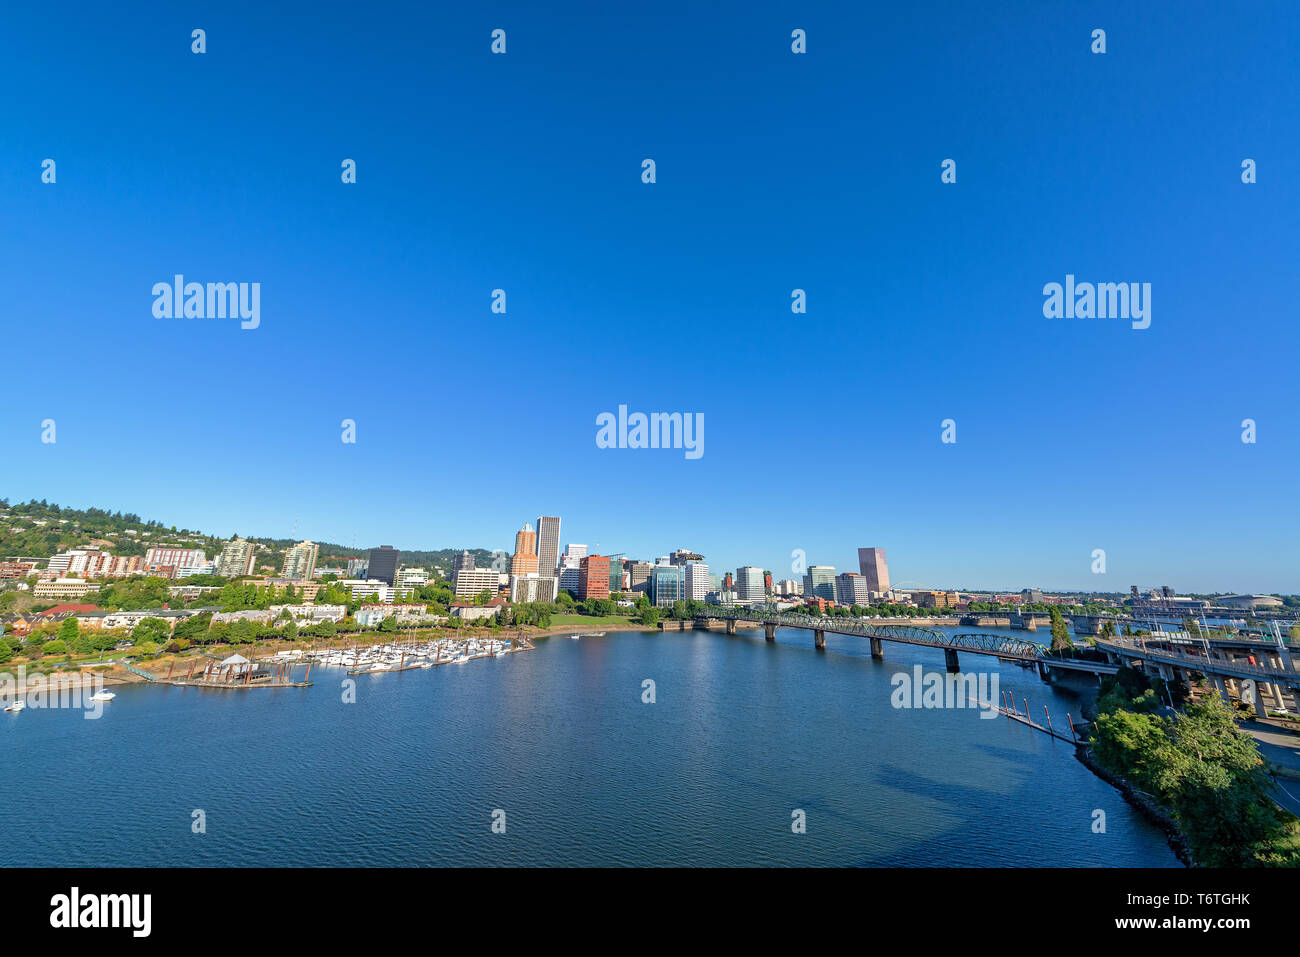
775	171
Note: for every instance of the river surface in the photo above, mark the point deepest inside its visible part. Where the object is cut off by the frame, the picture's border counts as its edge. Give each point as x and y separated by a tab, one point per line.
559	745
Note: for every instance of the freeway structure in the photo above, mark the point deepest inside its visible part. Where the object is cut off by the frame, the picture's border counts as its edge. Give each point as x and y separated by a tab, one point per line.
1245	668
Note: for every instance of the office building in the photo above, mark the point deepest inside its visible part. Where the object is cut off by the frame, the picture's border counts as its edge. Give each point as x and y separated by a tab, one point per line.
638	577
698	581
411	578
819	582
469	582
237	558
548	544
524	561
528	588
871	563
383	564
593	577
463	560
667	585
851	589
356	568
750	587
300	561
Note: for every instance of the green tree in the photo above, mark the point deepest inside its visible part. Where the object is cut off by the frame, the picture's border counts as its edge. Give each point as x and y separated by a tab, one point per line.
69	630
1060	633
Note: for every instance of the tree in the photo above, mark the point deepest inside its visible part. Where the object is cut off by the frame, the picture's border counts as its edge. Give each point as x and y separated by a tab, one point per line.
1060	633
69	630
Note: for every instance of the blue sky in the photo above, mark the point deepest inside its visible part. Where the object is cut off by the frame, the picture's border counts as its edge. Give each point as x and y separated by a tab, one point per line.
775	171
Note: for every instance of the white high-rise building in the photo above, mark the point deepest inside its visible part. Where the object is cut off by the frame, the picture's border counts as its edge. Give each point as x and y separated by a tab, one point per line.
750	587
698	582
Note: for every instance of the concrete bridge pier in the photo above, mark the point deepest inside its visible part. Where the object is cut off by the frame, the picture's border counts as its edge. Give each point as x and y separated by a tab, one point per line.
731	626
681	625
950	660
1221	686
877	649
819	639
769	631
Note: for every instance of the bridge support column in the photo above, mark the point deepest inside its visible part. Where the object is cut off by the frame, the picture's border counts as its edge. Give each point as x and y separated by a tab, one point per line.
877	649
731	626
681	625
1222	687
819	639
1260	710
950	660
769	631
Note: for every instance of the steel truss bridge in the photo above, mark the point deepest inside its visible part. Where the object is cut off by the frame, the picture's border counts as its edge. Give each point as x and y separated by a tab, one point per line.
999	646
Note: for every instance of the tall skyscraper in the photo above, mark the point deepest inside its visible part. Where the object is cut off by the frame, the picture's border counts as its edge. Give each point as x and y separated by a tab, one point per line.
463	560
382	565
698	583
871	563
524	561
237	558
300	561
548	544
750	586
819	582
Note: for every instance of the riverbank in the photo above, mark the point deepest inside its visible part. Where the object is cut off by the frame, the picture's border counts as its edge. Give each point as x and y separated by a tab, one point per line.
1143	803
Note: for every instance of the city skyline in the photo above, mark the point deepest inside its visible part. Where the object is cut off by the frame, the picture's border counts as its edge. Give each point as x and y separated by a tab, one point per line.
528	538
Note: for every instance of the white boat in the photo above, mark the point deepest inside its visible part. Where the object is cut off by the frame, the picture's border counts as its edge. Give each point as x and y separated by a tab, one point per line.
103	696
16	706
575	637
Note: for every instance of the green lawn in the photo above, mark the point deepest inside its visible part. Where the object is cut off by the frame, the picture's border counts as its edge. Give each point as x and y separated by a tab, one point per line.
592	621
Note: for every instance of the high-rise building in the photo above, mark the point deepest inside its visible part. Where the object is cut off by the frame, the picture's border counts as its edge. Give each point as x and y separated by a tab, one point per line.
575	551
548	544
593	577
698	581
750	586
356	568
524	561
463	560
383	563
851	589
667	585
237	558
871	563
819	582
638	577
469	582
300	561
